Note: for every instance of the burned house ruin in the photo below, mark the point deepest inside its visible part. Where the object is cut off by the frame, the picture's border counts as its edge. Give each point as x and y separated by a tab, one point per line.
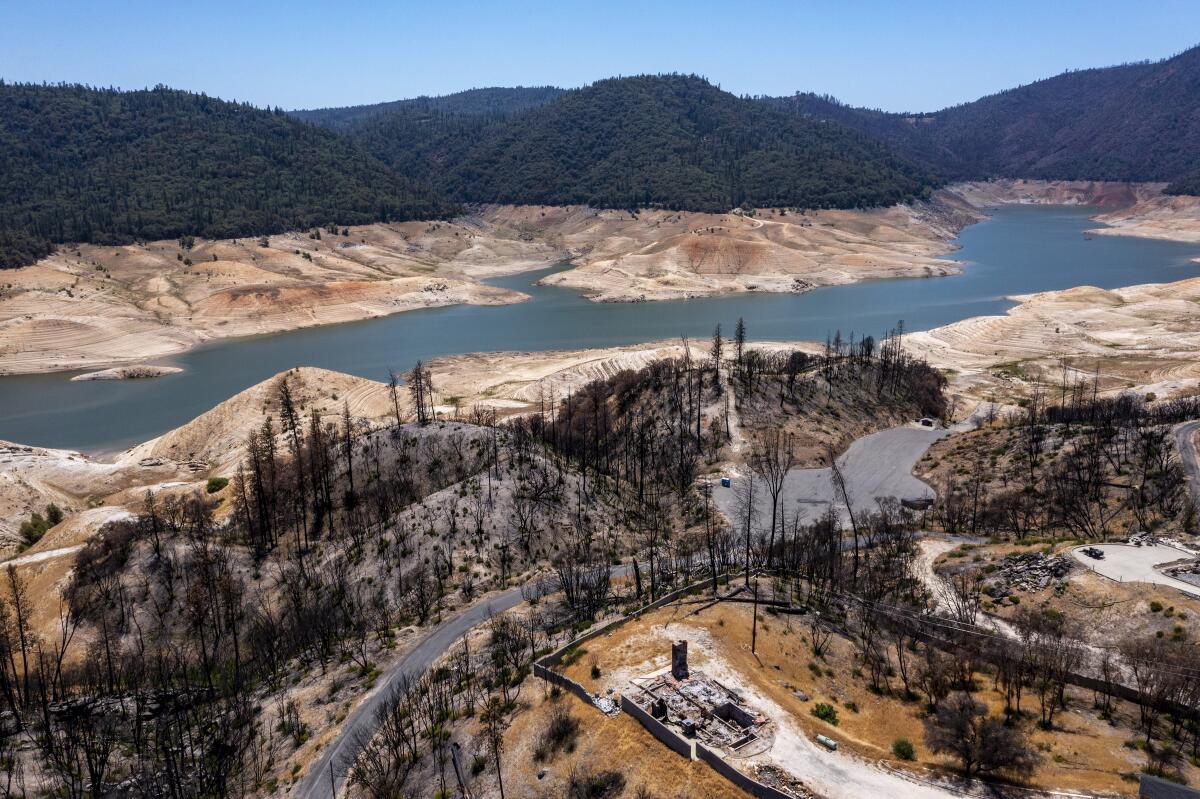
701	708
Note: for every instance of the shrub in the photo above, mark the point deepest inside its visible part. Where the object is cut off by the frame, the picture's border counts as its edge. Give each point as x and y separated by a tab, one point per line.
903	749
595	785
825	712
1156	606
31	531
560	734
215	484
961	727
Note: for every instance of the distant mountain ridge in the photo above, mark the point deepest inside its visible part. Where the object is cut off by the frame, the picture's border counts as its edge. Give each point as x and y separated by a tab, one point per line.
112	167
674	141
495	100
105	166
1135	122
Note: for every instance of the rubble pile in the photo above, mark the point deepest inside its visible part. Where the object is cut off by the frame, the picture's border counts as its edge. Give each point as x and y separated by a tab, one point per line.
1188	572
780	780
606	705
700	707
1027	571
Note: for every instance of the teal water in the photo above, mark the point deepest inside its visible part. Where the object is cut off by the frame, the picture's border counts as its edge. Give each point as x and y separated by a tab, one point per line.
1021	249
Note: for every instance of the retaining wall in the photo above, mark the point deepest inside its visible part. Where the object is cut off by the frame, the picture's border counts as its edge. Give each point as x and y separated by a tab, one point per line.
676	742
686	747
743	781
562	681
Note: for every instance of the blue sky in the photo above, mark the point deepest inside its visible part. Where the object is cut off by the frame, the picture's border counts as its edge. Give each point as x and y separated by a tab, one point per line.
897	56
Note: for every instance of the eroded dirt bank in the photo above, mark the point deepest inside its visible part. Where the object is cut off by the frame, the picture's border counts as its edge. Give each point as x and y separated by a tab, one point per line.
660	255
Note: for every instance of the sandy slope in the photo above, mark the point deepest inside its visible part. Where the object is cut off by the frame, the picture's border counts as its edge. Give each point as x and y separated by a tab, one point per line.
216	436
1160	217
95	306
668	255
1007	191
515	381
1145	336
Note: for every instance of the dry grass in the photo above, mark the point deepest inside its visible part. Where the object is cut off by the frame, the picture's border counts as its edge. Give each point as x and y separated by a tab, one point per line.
617	743
1084	752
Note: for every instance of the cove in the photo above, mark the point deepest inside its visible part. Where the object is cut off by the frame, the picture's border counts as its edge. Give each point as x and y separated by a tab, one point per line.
1021	249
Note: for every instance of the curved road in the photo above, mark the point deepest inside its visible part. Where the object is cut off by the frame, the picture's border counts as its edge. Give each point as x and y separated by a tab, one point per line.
874	466
326	772
1186	436
325	777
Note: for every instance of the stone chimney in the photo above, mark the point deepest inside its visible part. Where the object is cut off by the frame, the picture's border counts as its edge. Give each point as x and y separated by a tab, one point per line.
679	666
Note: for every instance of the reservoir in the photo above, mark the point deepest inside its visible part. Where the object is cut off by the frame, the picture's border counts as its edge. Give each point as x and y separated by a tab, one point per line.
1021	249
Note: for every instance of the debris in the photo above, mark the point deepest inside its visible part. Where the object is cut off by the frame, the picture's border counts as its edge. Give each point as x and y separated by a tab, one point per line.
700	707
1027	571
606	705
780	780
1188	572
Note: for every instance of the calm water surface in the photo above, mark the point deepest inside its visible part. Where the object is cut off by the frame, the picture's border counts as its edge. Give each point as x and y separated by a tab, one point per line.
1021	249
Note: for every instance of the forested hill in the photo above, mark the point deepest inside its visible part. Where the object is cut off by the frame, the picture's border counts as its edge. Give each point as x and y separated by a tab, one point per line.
668	140
491	101
1138	122
110	167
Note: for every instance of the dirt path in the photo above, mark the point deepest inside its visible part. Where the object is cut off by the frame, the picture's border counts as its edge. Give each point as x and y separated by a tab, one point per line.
37	557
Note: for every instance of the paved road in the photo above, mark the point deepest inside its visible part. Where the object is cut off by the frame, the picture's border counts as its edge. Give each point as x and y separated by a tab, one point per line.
875	466
318	783
1186	436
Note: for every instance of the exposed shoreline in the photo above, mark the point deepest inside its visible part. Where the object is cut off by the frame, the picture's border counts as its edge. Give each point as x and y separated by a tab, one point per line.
110	307
136	372
1140	338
